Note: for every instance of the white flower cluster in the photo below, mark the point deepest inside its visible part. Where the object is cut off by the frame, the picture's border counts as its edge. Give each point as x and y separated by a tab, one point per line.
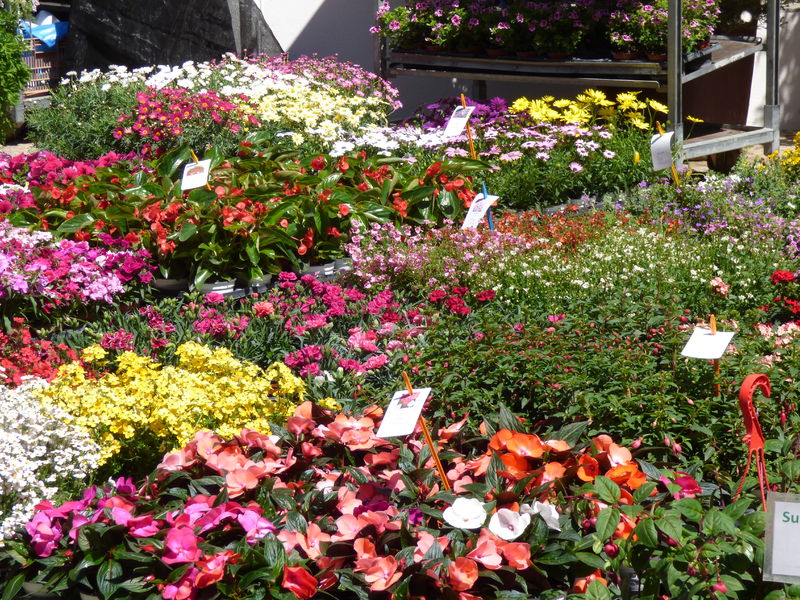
308	106
40	452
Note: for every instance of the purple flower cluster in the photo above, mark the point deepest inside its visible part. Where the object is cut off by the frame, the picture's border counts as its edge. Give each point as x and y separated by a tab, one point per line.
441	257
32	263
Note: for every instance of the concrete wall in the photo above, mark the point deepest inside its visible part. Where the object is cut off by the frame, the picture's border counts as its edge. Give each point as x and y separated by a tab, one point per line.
341	27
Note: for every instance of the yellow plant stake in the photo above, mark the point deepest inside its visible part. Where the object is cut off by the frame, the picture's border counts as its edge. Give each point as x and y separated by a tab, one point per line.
672	165
425	432
712	323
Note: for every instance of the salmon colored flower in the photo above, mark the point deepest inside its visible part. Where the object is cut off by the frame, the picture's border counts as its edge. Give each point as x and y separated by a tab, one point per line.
487	553
517	554
383	573
462	573
527	445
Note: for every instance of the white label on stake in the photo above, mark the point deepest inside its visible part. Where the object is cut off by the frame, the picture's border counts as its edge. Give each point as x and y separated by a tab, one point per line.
781	556
195	174
661	150
477	210
458	120
703	344
403	413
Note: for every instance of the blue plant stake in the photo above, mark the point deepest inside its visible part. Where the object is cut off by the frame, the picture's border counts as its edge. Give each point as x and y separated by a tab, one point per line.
489	210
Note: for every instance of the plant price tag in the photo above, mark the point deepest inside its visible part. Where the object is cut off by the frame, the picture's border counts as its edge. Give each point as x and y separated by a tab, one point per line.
706	345
661	150
782	542
477	210
195	174
458	120
403	413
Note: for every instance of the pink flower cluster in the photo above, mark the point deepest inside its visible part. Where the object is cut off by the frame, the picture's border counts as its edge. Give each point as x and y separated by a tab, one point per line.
164	114
212	322
45	168
33	264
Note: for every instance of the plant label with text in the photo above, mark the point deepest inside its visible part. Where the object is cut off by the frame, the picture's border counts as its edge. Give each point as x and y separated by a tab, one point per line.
661	150
403	413
458	121
477	210
195	174
781	556
706	345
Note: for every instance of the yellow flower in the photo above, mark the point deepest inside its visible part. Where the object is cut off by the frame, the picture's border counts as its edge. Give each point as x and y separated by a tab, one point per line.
519	105
657	106
330	404
562	103
208	389
693	119
93	353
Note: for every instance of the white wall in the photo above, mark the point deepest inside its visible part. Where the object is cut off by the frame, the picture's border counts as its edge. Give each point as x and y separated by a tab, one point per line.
341	27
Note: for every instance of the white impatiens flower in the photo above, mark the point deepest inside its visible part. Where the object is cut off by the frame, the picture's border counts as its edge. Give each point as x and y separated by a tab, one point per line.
465	513
545	510
509	525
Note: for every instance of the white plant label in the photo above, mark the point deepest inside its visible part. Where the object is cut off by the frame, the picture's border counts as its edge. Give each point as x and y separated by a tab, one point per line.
458	121
195	174
661	150
706	345
477	210
403	413
782	542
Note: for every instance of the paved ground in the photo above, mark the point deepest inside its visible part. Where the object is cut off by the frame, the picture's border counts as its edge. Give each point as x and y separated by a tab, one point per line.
14	148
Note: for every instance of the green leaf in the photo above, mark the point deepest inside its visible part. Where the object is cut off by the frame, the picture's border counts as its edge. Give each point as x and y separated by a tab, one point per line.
107	578
13	587
643	492
75	223
716	522
593	560
649	469
646	532
187	231
736	509
597	591
671	526
296	522
607	490
690	508
571	433
607	521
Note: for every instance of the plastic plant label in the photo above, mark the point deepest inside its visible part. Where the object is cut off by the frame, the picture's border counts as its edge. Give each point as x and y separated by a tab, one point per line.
458	120
477	210
661	150
195	174
706	345
403	413
781	558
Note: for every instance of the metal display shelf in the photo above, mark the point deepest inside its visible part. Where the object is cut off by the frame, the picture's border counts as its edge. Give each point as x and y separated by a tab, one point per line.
597	71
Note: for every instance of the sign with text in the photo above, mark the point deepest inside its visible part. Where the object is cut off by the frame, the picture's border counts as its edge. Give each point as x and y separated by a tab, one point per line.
195	174
782	542
477	210
706	345
458	120
403	413
661	150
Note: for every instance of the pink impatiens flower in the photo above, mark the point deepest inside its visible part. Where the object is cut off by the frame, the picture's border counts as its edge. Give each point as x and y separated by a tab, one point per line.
181	545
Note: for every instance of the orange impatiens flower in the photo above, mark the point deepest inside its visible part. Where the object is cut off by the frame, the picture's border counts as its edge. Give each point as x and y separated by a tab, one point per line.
627	474
500	439
551	472
462	573
517	554
525	445
582	583
517	467
588	468
486	552
299	581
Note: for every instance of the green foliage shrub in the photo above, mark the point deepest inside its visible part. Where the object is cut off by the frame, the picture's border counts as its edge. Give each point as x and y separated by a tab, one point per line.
14	73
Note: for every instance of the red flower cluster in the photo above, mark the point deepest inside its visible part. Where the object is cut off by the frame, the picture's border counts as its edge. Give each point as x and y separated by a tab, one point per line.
21	356
782	276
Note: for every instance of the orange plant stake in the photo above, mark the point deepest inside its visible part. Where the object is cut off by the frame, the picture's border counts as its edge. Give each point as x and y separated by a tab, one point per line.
197	160
754	438
428	438
469	132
